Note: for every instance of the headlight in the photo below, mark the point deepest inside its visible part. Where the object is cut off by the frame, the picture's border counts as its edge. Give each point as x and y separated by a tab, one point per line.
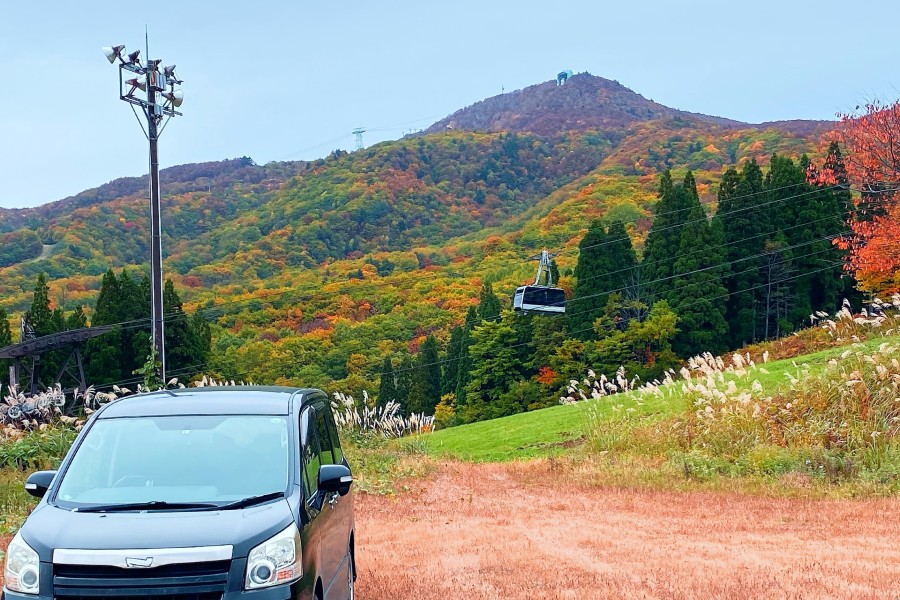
23	567
275	561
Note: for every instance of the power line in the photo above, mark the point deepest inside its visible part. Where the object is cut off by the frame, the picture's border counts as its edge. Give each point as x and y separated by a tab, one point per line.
698	302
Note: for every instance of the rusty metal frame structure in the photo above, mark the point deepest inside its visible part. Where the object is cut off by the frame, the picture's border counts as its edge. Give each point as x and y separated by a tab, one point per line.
35	348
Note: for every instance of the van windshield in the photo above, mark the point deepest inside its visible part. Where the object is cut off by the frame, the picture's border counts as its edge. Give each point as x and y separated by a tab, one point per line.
177	459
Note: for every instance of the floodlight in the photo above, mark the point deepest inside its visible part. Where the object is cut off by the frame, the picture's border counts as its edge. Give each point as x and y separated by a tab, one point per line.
139	83
176	97
134	58
169	72
113	52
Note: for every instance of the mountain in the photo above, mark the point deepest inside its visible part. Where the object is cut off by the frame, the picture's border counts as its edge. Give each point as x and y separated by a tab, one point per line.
312	272
585	102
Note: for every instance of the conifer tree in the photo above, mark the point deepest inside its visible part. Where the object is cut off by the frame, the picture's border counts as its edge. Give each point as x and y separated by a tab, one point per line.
103	352
585	304
745	230
77	319
5	340
488	303
450	372
405	375
426	387
387	389
699	296
496	366
40	315
606	264
465	359
664	239
183	348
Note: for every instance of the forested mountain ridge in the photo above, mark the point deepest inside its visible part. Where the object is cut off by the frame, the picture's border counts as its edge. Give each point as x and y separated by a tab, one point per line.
314	272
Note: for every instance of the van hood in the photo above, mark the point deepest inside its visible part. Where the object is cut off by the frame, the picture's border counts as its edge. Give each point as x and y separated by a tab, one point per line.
50	528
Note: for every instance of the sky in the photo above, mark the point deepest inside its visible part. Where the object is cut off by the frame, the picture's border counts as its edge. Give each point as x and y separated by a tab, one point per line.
290	80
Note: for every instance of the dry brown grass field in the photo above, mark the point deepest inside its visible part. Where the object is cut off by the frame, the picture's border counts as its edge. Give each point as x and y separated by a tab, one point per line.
528	530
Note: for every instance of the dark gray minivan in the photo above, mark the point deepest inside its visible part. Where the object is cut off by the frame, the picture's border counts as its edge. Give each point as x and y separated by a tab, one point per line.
229	493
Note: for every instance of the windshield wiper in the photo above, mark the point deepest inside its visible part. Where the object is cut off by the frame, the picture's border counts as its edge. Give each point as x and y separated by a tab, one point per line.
245	502
151	505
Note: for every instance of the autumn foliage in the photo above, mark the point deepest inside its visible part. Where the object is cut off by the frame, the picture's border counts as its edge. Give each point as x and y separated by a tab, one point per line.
872	142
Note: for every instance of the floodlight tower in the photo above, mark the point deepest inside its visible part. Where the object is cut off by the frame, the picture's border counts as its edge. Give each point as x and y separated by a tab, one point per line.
162	100
358	133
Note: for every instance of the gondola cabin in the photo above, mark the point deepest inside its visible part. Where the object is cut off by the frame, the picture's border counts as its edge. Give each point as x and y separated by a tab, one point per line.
539	299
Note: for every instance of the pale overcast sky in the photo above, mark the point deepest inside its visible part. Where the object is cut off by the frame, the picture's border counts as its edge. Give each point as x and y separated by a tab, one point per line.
290	80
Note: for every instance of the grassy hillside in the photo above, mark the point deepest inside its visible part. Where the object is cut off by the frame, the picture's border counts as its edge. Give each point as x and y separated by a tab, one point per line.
829	417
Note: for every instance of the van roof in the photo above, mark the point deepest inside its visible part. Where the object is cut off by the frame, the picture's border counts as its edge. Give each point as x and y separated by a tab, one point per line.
230	400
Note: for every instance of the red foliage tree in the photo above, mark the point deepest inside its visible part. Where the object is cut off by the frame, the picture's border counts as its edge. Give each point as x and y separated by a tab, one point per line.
871	138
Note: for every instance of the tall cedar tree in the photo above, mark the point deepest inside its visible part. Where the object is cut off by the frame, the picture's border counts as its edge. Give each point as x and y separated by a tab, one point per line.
40	315
5	340
450	373
488	303
186	339
426	388
387	389
465	359
744	222
664	239
606	264
405	376
699	295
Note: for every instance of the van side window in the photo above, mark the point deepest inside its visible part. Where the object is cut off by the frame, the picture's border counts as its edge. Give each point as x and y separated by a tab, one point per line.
311	452
325	442
335	440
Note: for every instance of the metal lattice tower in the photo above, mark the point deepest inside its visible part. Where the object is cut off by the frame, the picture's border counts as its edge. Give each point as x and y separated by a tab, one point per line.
358	133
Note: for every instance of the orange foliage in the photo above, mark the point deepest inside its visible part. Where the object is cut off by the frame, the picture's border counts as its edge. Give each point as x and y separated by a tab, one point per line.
871	139
547	376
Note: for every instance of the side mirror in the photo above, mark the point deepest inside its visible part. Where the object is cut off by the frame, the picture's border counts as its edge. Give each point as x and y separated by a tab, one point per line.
335	478
38	483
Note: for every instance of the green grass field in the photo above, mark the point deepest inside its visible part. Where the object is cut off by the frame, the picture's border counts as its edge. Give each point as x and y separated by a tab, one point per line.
560	429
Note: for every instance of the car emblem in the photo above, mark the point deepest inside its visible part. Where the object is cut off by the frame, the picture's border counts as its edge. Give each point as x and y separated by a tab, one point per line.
139	563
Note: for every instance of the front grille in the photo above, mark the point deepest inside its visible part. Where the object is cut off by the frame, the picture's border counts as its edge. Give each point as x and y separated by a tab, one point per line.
209	596
189	581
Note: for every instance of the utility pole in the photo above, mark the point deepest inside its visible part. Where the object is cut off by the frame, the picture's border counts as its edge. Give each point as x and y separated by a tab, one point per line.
162	100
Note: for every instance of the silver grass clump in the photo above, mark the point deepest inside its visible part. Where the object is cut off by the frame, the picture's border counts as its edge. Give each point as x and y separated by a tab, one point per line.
384	421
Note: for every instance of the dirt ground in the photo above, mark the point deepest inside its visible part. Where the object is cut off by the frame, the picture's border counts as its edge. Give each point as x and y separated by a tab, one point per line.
524	531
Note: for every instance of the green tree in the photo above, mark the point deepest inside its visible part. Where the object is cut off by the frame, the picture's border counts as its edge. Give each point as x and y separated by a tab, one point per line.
387	389
40	315
606	264
585	303
465	358
405	377
496	367
661	248
450	373
186	344
426	387
76	319
5	340
742	216
103	352
699	295
488	303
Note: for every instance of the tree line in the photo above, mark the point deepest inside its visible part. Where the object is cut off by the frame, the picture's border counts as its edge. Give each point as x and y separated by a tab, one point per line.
756	270
115	356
